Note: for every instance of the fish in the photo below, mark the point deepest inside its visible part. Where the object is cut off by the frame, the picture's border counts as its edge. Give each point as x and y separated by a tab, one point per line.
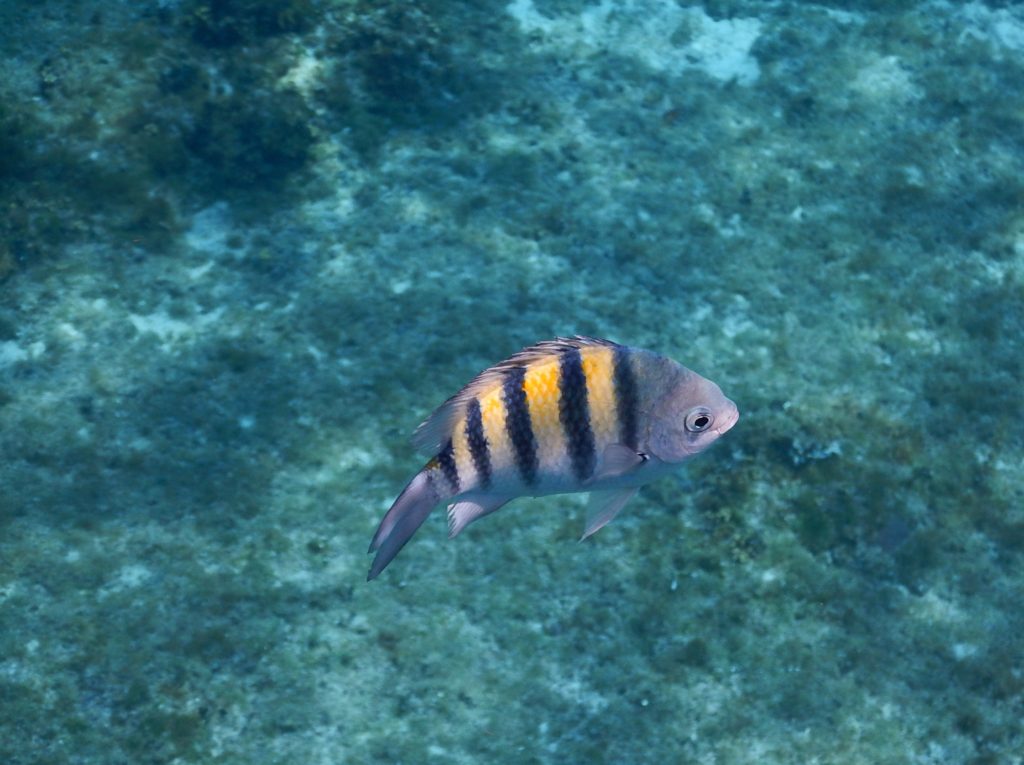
572	414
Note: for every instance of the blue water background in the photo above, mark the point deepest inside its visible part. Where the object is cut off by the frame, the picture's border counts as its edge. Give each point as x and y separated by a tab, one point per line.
247	246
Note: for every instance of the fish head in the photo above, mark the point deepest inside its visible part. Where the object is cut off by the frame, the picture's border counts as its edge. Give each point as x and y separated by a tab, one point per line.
689	417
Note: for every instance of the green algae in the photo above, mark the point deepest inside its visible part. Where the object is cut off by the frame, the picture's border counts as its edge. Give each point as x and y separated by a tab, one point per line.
15	142
244	141
227	23
397	66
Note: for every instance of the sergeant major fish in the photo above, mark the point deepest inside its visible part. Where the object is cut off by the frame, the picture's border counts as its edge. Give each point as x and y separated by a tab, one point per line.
566	415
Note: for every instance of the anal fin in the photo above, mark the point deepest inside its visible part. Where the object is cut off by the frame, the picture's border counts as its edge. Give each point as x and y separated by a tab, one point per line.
603	506
468	509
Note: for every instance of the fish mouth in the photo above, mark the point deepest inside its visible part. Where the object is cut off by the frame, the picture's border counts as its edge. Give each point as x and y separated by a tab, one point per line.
730	418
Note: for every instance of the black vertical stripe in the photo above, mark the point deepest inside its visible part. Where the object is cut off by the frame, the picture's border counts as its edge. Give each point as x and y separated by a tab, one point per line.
626	400
447	462
518	425
574	413
478	448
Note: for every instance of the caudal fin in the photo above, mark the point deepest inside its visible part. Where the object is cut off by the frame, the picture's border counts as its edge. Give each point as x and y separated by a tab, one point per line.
400	522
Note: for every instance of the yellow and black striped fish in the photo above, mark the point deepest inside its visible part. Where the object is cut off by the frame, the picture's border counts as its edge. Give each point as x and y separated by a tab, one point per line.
564	415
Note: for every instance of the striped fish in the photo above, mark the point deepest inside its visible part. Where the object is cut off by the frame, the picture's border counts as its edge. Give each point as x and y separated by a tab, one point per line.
565	415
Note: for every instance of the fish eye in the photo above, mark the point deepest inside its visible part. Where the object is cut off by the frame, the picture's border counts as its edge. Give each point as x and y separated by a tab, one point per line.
698	420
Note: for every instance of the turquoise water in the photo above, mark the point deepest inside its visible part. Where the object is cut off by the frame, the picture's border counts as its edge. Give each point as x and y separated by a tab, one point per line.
247	246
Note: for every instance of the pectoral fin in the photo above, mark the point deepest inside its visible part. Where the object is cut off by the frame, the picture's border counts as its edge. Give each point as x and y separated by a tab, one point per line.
616	460
467	510
602	506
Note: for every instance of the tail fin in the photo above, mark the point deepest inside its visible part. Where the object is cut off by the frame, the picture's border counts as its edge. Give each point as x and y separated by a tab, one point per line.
400	522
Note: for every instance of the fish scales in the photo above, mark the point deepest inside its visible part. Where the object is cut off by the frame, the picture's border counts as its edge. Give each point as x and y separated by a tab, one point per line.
564	415
518	425
574	415
567	417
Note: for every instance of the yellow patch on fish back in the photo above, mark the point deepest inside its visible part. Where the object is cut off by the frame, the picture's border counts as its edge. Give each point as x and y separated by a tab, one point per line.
461	454
493	415
598	366
541	384
434	432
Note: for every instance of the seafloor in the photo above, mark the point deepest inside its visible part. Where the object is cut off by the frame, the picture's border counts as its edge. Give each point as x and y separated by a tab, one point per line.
246	246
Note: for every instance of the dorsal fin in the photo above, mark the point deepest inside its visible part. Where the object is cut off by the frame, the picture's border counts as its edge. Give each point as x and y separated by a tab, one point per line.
437	428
